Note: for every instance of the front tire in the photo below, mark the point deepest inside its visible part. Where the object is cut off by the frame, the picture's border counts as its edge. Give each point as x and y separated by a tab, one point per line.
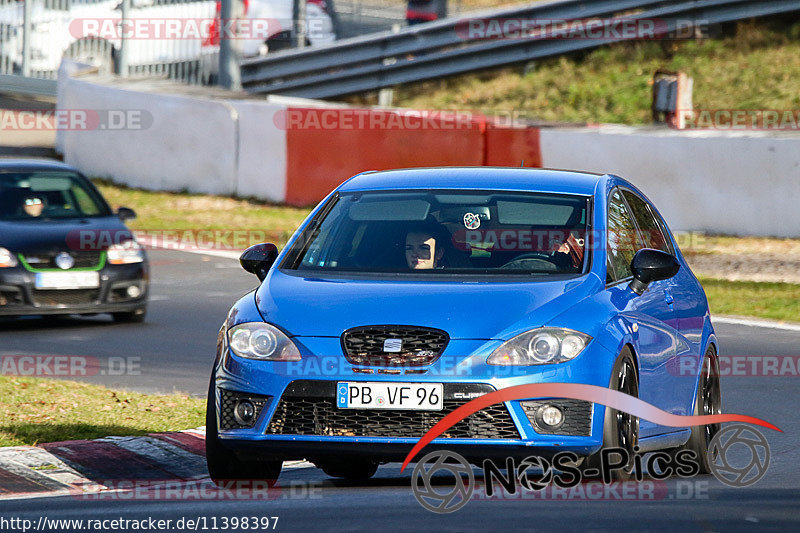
620	429
708	401
223	464
353	470
131	317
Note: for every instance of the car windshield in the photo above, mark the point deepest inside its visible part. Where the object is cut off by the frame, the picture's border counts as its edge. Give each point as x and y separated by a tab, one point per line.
456	232
48	195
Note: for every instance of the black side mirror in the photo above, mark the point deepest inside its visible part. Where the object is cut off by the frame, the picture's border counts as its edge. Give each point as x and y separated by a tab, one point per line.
126	213
650	265
258	259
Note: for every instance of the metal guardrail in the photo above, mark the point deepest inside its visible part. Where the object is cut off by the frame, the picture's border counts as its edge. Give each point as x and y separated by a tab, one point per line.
436	49
39	87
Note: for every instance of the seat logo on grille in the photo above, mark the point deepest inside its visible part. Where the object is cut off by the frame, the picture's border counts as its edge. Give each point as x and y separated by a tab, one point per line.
392	345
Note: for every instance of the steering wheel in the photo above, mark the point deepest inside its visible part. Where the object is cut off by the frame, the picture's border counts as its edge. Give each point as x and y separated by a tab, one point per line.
542	256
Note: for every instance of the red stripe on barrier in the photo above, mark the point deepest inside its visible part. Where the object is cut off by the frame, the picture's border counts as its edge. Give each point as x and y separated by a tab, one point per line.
15	484
326	146
509	147
191	442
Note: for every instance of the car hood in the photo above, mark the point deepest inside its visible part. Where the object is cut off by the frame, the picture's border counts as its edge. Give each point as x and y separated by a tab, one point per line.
325	307
47	235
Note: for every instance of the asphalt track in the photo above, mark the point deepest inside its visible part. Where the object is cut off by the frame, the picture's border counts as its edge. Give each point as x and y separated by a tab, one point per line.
191	294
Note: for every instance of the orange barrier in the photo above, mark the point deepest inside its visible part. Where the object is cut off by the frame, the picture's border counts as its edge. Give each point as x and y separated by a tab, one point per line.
509	147
325	146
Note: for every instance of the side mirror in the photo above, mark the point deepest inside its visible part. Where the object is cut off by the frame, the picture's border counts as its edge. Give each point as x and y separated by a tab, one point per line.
126	213
650	265
258	259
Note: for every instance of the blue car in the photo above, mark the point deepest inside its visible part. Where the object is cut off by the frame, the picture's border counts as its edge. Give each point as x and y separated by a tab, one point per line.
407	293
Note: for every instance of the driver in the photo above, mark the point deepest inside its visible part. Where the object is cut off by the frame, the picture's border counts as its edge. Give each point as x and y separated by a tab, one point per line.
423	252
33	206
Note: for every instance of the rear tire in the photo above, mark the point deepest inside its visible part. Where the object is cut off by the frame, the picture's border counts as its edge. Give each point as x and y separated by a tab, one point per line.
223	464
620	430
708	401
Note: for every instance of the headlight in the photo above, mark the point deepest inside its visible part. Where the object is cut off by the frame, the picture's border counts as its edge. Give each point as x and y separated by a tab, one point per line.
258	340
540	346
125	253
7	259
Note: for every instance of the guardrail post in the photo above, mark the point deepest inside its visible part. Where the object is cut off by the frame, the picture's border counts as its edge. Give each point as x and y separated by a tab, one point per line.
26	37
299	14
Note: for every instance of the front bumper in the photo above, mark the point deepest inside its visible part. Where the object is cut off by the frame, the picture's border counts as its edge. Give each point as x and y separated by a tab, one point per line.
19	296
274	383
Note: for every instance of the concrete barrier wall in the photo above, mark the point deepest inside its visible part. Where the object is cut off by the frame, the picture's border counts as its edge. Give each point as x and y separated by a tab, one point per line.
189	144
710	181
705	181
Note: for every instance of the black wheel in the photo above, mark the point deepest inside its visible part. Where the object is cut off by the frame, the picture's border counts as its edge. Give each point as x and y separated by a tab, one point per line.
353	469
708	401
620	429
135	316
224	465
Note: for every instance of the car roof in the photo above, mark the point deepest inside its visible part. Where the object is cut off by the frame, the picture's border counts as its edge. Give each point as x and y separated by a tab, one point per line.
13	164
491	178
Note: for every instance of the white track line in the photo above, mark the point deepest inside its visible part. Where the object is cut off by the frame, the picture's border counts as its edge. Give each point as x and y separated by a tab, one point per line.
755	323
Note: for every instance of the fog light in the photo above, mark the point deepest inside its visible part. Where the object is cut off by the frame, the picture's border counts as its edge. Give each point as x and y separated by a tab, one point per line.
134	291
552	416
244	412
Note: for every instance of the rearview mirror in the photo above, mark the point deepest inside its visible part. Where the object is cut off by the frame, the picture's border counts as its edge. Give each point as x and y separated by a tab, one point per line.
258	259
126	213
650	265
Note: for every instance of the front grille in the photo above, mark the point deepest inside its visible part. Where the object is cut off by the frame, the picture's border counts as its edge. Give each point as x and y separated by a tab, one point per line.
577	417
54	298
418	346
309	408
227	420
47	260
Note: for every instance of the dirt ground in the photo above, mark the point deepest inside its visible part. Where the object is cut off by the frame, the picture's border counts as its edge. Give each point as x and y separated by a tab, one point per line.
743	258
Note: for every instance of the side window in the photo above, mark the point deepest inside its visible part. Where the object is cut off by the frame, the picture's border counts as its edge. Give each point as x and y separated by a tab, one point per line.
622	241
649	230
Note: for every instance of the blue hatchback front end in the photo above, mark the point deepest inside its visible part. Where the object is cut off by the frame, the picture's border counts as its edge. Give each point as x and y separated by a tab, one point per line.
372	324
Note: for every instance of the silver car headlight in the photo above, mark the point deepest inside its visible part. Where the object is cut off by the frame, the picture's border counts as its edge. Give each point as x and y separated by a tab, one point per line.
125	253
259	340
7	259
540	346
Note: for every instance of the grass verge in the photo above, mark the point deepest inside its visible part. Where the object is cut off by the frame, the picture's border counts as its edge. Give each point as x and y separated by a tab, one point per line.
775	301
36	410
158	210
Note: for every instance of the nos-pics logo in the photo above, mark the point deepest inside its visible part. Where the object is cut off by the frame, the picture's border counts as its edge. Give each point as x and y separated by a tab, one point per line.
444	481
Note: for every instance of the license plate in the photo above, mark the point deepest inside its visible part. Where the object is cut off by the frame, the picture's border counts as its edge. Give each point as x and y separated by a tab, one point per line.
67	280
389	395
